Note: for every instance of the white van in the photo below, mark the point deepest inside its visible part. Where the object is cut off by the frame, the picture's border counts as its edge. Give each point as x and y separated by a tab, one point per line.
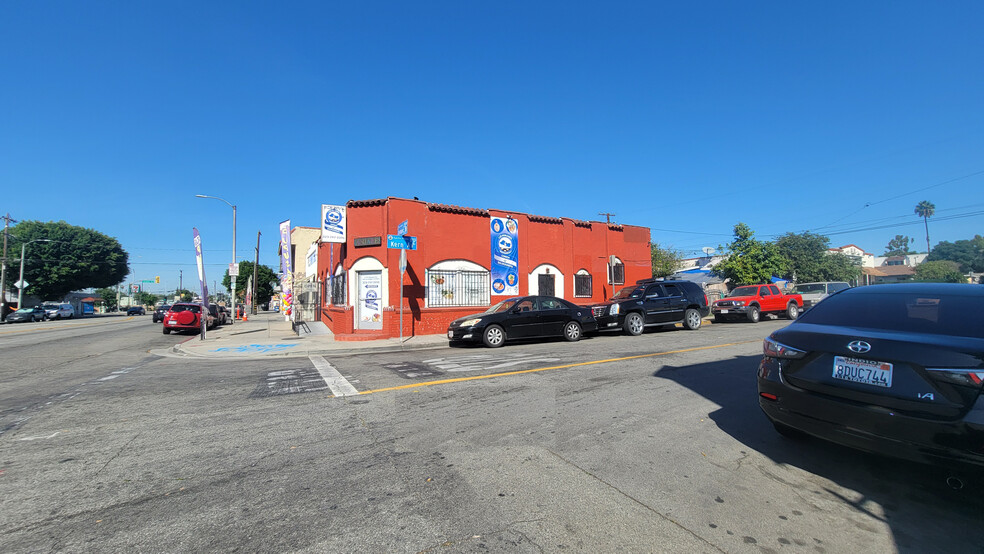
58	310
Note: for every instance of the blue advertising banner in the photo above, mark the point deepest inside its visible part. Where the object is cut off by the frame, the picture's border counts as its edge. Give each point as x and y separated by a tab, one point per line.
505	256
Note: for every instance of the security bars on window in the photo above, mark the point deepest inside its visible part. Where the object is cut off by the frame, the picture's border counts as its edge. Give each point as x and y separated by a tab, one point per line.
457	288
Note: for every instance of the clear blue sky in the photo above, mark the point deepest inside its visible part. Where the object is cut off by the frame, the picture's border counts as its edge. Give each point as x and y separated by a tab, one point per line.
686	117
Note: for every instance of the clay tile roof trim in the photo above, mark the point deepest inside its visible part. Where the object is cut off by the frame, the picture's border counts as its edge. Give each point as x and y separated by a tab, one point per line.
457	209
545	219
365	203
579	223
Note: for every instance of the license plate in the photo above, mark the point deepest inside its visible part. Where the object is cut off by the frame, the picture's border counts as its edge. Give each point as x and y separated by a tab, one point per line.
863	371
724	311
450	334
173	322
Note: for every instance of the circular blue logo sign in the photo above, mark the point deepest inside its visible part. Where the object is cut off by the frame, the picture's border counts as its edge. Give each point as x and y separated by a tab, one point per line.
505	244
498	285
496	226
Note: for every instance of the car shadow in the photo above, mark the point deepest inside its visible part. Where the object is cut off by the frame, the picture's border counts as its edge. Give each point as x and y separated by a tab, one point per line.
923	512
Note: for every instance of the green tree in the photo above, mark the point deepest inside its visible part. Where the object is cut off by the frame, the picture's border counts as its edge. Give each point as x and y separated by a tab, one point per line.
925	209
108	296
266	280
968	254
146	299
665	260
749	260
807	259
940	271
184	295
899	246
64	257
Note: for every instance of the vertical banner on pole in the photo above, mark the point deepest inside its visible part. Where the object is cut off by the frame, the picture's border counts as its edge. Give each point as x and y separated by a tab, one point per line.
287	275
333	230
199	260
505	256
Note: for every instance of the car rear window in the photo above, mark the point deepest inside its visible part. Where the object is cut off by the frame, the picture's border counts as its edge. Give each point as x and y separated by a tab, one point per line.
938	314
187	308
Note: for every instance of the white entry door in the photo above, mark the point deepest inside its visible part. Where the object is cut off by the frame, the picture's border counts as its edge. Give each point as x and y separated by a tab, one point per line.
370	287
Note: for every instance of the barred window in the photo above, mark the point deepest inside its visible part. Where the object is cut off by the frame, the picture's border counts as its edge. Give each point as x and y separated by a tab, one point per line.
455	287
338	289
616	273
582	284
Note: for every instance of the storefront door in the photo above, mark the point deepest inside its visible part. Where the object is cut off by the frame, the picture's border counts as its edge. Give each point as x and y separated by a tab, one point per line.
546	284
370	286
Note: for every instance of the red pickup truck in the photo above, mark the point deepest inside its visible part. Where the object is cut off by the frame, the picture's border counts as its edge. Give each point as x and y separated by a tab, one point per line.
751	301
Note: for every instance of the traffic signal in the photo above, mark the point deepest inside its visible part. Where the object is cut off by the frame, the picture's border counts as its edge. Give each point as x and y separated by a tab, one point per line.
157	279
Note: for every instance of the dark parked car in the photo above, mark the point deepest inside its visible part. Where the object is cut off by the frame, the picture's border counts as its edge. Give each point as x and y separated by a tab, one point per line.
160	311
136	310
186	316
36	313
893	369
653	302
523	317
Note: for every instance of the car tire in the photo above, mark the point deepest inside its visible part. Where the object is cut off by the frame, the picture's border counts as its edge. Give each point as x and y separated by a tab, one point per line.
788	432
691	319
493	336
167	331
792	310
634	325
753	314
572	331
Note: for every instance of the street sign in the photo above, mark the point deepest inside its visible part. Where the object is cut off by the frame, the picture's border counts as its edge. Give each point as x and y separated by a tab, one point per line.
233	270
21	284
147	281
404	243
402	229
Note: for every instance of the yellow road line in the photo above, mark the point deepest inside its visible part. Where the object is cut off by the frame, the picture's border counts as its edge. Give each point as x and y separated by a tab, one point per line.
535	370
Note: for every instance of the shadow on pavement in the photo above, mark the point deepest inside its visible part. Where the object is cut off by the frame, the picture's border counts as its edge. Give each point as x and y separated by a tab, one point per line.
922	511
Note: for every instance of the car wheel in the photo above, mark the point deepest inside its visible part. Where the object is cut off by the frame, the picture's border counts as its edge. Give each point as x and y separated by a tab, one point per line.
792	310
633	324
753	314
691	319
493	336
167	331
572	331
788	432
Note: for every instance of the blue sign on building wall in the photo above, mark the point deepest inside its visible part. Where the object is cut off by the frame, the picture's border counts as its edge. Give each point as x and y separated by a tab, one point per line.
505	256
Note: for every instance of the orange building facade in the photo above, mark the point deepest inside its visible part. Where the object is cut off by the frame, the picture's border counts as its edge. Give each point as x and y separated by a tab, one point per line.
452	272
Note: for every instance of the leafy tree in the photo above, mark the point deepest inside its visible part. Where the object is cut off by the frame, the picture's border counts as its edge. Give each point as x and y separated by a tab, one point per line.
925	209
899	246
968	254
108	296
940	271
807	259
146	298
74	259
749	260
665	260
184	295
266	280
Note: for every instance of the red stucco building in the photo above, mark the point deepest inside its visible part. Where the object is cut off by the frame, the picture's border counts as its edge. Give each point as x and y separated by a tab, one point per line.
452	272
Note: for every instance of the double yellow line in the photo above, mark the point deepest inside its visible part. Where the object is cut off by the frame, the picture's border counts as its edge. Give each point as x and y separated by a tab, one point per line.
566	366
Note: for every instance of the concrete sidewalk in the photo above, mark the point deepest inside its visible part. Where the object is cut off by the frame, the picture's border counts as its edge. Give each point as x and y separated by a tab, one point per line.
267	335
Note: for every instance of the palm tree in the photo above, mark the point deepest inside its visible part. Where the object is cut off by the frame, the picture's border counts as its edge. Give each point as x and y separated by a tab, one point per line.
925	210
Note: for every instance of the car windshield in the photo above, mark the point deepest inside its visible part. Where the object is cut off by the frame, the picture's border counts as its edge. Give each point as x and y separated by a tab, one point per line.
502	306
50	306
809	287
744	291
629	292
938	314
187	308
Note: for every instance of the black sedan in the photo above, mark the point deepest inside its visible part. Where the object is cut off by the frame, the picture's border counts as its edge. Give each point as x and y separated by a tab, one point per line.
135	310
160	311
36	313
892	369
523	317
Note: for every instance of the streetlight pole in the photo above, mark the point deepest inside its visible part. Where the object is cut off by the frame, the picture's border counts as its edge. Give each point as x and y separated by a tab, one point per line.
20	289
231	278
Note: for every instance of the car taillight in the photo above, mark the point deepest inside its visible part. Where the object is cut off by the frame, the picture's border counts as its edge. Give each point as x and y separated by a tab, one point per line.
775	349
705	300
965	377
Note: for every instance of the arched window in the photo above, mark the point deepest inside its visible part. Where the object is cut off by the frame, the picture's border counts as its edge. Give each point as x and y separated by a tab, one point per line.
582	284
616	271
457	283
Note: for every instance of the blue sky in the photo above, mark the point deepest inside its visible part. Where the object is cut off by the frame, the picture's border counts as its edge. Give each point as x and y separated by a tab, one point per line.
685	117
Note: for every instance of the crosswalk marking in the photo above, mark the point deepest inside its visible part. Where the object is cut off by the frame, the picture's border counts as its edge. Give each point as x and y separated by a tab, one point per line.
339	385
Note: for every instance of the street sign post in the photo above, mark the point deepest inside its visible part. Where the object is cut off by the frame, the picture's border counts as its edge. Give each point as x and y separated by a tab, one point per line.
21	284
401	242
403	270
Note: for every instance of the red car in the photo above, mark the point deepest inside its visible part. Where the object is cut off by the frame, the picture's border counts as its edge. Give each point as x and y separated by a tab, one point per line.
185	316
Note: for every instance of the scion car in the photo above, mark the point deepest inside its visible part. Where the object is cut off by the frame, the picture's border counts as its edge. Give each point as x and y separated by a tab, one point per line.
893	369
523	317
186	316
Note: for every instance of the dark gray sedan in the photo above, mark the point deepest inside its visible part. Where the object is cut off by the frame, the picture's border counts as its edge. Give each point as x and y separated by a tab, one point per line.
521	318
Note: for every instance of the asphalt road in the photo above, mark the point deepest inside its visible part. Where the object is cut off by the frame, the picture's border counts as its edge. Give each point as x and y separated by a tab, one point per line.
615	443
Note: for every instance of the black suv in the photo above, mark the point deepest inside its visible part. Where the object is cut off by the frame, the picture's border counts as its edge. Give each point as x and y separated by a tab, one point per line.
653	302
160	311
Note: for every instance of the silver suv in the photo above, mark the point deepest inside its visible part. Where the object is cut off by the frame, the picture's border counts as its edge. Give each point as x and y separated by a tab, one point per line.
815	292
58	310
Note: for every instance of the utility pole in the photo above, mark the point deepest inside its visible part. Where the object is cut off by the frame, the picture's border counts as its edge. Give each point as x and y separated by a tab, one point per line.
181	279
256	265
607	217
3	269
